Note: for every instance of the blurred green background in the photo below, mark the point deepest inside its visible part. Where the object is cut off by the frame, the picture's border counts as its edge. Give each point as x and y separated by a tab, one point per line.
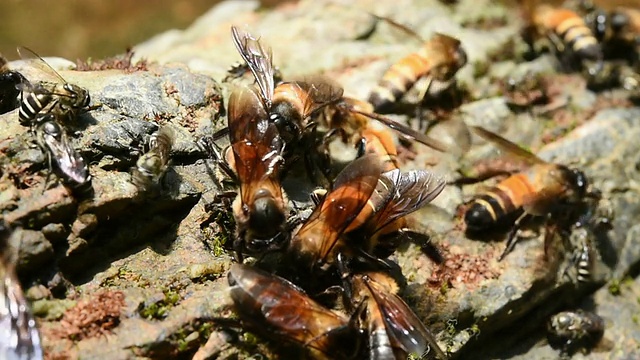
91	28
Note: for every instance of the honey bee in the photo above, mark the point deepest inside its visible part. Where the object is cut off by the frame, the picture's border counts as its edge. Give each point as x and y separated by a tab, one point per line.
567	32
574	330
618	30
439	59
393	329
19	336
51	95
318	241
10	81
255	157
293	105
151	166
541	189
53	140
278	309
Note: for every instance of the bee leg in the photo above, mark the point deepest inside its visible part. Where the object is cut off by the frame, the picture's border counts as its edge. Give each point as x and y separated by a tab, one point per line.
426	246
372	259
511	237
236	71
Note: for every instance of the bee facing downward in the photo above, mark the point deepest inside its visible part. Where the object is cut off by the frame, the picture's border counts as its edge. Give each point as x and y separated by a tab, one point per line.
151	166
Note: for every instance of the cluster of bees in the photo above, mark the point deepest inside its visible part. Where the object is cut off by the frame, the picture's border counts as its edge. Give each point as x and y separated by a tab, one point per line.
358	220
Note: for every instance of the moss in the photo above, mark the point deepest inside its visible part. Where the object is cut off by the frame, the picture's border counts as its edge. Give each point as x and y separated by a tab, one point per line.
51	309
160	309
615	286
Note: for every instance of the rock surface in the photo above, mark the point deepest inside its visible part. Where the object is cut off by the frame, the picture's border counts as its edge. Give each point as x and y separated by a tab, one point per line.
164	254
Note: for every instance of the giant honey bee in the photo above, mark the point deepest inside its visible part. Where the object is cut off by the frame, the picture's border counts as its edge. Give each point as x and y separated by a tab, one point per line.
152	165
567	32
393	329
541	189
318	241
19	337
10	81
53	140
254	160
276	308
53	94
574	330
439	59
619	31
293	105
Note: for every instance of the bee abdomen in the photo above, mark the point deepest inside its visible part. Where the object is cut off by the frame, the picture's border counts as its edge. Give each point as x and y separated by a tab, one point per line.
397	80
580	38
32	104
488	210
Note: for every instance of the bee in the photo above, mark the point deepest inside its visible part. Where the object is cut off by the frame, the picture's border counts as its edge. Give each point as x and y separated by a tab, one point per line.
567	32
393	329
151	166
438	60
276	308
574	330
318	241
10	81
293	105
618	30
51	95
19	336
541	189
53	141
255	158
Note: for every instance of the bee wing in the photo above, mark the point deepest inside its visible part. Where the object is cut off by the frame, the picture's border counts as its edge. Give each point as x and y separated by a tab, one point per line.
46	71
255	143
164	142
406	130
19	337
321	91
409	192
407	30
404	328
259	59
507	146
285	308
352	189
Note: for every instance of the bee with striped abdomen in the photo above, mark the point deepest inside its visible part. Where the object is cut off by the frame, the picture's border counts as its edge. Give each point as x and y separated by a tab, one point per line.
19	336
51	94
53	140
439	59
152	165
571	39
541	189
393	329
278	309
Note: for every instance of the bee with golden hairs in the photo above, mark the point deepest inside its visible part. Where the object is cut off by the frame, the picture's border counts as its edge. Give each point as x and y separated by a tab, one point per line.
52	94
19	337
567	32
278	309
152	165
438	60
618	30
542	189
571	331
254	160
394	331
293	105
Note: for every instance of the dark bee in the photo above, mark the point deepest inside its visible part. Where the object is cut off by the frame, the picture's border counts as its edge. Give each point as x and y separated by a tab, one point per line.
439	59
567	32
10	81
618	30
541	189
276	308
574	330
255	159
19	337
52	94
292	105
318	241
394	331
54	142
151	166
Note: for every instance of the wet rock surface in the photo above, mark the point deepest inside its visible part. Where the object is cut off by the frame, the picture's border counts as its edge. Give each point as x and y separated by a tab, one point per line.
163	254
